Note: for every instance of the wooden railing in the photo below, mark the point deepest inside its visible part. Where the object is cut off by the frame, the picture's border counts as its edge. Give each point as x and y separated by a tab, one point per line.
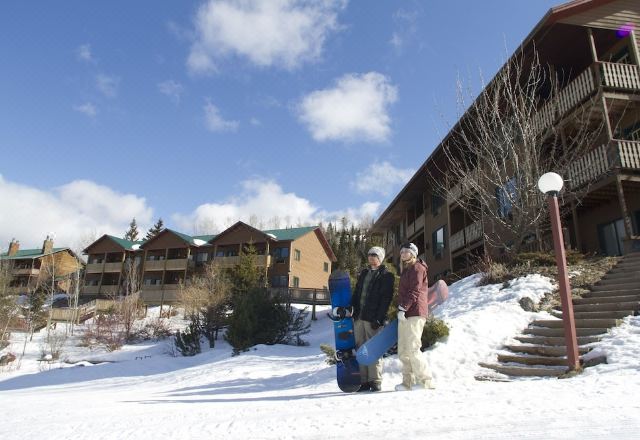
596	163
621	76
297	295
460	188
616	75
466	236
415	225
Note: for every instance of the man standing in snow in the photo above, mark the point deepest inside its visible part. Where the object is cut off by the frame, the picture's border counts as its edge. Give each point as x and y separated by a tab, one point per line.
412	315
370	302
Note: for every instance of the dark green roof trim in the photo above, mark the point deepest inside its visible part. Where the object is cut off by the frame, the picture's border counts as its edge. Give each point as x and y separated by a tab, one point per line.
290	233
30	253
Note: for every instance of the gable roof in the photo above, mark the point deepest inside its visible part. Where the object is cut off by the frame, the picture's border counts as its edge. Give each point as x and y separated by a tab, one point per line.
126	245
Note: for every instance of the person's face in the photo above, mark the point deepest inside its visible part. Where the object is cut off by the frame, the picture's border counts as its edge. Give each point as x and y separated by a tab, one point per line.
405	255
373	260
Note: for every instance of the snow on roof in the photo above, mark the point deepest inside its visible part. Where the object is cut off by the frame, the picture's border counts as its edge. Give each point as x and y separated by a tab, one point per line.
135	247
199	242
271	235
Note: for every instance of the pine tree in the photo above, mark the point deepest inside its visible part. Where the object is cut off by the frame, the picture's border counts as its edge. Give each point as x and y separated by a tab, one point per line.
132	233
155	229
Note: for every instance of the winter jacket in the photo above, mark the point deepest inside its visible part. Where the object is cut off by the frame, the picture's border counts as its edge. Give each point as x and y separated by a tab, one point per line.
412	292
377	299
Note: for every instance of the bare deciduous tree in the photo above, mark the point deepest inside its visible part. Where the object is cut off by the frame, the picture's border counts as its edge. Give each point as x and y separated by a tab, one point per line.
492	159
206	299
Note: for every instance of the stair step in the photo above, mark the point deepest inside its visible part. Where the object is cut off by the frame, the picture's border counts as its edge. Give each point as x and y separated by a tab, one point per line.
544	350
608	293
614	285
541	331
622	275
555	341
596	314
533	360
607	299
607	307
513	370
580	323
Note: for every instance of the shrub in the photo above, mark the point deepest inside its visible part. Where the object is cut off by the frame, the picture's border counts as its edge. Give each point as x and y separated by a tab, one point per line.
257	318
188	342
435	329
330	352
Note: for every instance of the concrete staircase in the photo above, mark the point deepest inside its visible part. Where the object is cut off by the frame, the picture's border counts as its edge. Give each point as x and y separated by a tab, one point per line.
542	350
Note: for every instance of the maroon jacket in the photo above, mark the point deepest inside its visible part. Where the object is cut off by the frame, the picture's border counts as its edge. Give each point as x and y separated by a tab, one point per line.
412	293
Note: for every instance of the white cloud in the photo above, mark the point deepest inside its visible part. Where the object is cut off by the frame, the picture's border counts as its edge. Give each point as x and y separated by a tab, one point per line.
406	28
108	85
266	200
215	122
172	89
83	52
255	122
72	211
381	178
281	33
355	109
87	108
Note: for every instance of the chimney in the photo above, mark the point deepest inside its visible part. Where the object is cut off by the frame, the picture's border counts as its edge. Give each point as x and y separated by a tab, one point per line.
14	247
47	246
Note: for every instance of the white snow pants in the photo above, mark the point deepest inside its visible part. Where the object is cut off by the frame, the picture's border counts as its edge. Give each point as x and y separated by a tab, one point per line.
415	369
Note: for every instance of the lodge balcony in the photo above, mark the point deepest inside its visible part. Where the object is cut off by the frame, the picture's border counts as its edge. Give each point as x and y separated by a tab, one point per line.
601	161
415	226
229	262
466	236
30	271
622	77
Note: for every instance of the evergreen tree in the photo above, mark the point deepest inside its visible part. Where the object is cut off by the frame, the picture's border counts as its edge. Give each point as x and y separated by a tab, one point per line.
155	229
132	233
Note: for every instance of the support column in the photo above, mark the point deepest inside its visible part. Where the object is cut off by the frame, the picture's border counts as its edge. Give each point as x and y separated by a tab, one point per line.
576	226
628	227
592	45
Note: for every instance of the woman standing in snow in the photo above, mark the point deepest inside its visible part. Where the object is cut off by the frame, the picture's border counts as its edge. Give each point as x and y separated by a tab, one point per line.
412	315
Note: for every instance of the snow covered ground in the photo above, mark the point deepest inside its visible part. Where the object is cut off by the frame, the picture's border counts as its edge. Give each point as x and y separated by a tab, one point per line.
290	392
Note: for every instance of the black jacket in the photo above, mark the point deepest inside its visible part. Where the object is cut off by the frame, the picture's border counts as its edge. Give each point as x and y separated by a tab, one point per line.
379	297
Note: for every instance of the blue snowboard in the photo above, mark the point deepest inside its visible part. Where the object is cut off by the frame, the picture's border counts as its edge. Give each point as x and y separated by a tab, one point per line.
348	373
376	347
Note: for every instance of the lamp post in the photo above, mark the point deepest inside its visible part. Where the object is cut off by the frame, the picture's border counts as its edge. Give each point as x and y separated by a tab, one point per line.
551	184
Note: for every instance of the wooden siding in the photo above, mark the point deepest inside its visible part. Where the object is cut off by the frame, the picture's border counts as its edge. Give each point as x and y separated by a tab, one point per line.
610	16
310	268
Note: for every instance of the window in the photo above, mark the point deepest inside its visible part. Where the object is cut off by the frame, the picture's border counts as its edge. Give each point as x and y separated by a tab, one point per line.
296	254
201	257
326	267
506	195
437	238
436	204
279	281
280	254
296	282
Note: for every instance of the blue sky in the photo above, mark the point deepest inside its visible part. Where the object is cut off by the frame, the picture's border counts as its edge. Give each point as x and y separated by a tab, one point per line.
206	112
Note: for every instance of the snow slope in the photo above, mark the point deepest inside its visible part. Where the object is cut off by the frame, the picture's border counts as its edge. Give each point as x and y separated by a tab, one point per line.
290	392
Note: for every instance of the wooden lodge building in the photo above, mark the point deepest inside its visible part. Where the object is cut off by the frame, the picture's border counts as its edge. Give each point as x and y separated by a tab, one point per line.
291	258
594	44
31	268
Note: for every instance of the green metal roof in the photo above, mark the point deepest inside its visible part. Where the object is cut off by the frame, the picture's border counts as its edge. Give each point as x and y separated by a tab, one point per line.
29	253
204	237
127	244
290	233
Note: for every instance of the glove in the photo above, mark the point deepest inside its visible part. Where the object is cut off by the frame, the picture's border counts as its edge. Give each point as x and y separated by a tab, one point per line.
401	316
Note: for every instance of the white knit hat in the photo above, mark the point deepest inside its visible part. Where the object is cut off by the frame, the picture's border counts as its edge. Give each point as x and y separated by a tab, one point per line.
412	248
378	251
